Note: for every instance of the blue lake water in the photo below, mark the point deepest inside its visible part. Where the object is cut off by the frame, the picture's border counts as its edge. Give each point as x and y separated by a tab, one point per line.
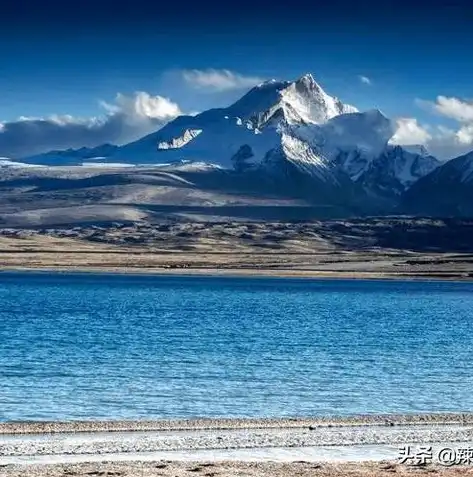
111	346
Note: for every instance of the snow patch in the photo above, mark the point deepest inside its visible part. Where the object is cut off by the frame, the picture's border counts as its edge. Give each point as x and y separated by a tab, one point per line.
177	142
5	162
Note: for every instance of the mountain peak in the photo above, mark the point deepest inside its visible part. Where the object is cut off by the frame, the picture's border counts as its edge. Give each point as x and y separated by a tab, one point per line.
299	101
306	101
308	81
307	78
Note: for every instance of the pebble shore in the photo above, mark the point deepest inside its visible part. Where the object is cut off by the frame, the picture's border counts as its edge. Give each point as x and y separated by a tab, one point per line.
138	442
41	427
96	443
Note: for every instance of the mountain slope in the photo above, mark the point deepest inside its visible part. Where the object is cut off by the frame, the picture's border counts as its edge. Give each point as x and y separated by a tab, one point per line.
292	133
358	145
447	191
73	156
394	171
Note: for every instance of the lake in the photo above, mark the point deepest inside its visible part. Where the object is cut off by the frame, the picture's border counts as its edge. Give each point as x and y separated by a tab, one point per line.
89	346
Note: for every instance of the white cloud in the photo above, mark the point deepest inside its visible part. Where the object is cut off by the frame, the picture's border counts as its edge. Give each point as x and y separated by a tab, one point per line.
365	80
219	80
443	142
465	134
143	105
454	108
126	119
410	132
448	142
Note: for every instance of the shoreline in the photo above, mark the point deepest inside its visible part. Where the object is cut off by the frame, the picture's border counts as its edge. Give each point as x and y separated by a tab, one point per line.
209	424
359	446
263	273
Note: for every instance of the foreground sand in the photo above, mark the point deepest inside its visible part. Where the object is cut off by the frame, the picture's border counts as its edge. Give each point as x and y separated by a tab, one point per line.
231	469
230	447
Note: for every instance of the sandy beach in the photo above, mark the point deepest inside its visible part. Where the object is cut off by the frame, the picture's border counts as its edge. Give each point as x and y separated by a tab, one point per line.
356	446
232	469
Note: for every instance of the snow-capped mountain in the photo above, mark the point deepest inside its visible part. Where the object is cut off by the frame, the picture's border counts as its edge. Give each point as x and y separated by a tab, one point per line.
298	101
298	121
283	129
447	191
260	120
391	172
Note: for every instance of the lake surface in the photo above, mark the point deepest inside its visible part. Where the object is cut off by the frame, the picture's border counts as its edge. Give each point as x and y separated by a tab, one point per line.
116	346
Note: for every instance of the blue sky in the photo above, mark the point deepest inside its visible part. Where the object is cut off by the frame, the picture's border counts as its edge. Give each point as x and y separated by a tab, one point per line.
67	59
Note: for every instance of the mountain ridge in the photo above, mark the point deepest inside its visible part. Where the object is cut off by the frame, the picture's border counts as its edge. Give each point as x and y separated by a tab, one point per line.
289	132
447	191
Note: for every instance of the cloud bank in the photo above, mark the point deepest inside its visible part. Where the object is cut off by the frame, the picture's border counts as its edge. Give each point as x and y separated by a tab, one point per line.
443	142
126	119
219	80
